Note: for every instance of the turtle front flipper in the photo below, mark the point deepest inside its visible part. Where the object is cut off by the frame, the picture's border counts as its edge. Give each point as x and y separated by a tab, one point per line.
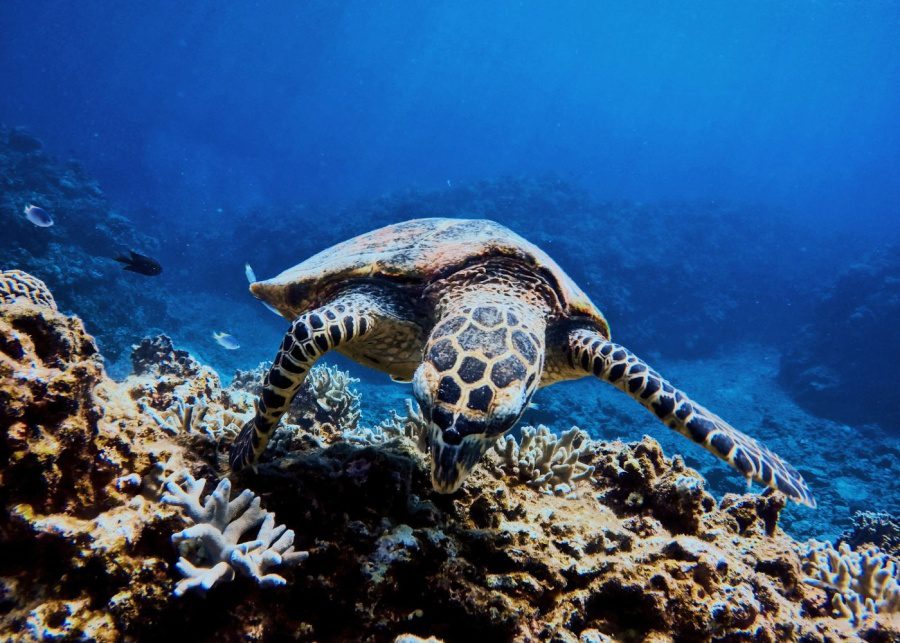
595	354
312	334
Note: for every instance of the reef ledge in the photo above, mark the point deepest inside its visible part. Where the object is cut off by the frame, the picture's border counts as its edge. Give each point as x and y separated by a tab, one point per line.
109	531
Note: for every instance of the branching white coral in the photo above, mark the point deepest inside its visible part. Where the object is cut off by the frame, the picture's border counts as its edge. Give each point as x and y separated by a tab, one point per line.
413	427
211	548
865	582
544	460
331	388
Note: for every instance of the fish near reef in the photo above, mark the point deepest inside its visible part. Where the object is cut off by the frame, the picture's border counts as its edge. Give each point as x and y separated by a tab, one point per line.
226	341
38	216
479	319
140	264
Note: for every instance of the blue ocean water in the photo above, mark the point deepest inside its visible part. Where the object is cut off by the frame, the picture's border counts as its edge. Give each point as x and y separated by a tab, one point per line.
720	177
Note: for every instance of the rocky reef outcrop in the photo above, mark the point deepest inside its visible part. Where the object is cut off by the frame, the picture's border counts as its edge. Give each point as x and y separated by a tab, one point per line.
108	534
74	256
841	364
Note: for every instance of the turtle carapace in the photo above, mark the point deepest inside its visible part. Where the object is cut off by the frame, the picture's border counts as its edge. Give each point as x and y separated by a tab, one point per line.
478	318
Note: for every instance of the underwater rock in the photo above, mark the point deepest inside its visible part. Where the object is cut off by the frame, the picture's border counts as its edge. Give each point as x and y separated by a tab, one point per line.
20	140
852	331
641	552
68	435
879	528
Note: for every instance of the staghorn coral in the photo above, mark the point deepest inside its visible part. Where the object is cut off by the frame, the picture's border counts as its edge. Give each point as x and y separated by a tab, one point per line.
16	284
325	405
325	408
214	540
862	582
546	461
412	427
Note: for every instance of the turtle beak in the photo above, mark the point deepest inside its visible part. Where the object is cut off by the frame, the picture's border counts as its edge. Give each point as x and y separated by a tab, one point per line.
451	463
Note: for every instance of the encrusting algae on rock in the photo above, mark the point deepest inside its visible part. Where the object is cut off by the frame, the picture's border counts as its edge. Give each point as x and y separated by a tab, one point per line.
95	490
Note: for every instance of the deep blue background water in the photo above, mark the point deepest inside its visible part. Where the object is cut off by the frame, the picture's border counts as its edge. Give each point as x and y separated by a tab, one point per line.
720	174
188	107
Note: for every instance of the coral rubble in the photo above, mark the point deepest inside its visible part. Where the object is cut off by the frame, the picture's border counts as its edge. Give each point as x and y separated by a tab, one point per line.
97	477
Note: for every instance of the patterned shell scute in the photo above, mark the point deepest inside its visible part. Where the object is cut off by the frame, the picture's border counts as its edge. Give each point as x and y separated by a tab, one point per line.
415	251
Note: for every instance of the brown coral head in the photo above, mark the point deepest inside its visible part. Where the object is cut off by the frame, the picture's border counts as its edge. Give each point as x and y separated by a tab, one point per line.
452	463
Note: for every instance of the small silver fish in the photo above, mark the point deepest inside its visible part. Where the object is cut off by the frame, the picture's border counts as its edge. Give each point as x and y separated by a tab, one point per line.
38	216
226	341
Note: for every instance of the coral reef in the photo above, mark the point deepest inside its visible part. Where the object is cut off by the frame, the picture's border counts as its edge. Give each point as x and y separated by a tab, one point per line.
15	284
858	476
863	583
72	256
544	460
94	488
331	391
214	538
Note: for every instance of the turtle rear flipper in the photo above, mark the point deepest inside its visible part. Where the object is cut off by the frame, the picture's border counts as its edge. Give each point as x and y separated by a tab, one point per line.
617	365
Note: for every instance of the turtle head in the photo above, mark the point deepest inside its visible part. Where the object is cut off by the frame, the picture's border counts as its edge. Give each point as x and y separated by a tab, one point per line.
473	384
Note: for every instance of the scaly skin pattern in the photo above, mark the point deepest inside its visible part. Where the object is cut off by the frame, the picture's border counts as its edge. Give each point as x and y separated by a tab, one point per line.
349	317
482	363
617	365
479	318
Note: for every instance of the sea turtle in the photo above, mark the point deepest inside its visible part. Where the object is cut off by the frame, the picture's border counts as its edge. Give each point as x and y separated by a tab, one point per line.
478	319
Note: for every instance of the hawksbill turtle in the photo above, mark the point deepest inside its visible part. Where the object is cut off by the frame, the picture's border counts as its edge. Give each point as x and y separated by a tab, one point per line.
478	319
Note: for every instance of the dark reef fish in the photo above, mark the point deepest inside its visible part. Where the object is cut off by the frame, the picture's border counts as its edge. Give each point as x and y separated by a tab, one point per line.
38	216
140	263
